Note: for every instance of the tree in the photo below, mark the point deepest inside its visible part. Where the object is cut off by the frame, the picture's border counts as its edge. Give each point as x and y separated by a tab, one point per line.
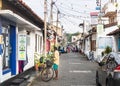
69	35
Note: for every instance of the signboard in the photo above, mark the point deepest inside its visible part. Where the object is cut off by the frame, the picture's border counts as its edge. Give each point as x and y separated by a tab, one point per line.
98	8
100	29
94	18
21	47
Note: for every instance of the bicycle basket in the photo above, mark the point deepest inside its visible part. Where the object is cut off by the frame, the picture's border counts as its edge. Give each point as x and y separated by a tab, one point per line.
49	63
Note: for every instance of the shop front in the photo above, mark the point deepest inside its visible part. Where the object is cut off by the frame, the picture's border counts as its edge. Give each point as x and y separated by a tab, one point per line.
7	48
17	44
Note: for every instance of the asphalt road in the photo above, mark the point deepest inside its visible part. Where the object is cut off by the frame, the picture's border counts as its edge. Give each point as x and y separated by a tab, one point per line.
74	70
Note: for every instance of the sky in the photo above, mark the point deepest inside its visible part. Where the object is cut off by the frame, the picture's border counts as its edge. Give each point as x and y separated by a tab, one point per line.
72	12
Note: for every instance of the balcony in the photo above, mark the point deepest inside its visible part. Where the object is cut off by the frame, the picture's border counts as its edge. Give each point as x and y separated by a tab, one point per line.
109	9
109	25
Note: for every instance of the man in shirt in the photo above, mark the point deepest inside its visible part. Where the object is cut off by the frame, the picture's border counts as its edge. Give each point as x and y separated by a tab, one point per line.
56	62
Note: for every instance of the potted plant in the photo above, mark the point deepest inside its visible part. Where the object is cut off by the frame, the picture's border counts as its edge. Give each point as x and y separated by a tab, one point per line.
108	49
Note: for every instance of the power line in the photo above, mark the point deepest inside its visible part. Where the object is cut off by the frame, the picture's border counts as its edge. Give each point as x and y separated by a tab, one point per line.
70	21
41	4
64	13
70	15
72	9
68	9
69	28
73	23
74	16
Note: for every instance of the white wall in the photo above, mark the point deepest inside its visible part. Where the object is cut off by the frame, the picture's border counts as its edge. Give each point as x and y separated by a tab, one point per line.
87	44
115	49
30	51
6	77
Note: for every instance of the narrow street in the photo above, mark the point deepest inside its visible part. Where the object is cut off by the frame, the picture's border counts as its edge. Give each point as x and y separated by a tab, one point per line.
74	70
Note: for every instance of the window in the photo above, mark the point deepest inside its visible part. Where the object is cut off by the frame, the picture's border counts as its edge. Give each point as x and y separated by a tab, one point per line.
38	44
35	42
5	48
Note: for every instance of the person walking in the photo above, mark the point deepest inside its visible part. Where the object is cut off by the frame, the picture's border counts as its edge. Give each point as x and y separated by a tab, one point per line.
56	62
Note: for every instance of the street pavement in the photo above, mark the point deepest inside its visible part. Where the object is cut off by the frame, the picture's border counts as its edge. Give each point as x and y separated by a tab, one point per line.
74	70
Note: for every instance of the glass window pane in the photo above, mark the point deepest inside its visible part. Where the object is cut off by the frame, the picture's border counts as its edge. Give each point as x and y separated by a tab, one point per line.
5	48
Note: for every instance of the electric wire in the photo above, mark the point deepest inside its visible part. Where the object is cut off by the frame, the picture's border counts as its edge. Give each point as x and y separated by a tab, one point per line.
66	24
71	15
73	23
68	9
72	9
64	14
68	20
42	6
75	16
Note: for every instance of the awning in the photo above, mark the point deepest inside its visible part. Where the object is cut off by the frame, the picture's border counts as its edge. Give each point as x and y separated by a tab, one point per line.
115	32
21	22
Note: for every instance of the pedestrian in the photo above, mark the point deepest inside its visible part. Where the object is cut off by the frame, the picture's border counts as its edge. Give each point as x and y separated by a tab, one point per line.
56	62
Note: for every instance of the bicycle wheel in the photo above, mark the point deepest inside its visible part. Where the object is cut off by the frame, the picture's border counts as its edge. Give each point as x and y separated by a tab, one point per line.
47	74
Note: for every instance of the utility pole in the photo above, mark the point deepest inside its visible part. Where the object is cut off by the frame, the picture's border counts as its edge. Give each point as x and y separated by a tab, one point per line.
100	14
58	12
83	35
57	20
51	13
45	25
57	24
100	6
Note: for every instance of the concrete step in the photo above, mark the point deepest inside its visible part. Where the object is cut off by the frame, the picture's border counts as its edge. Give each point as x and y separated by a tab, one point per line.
20	81
17	81
26	77
24	84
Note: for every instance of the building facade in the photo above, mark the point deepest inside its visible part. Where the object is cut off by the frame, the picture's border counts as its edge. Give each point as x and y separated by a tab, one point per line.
20	37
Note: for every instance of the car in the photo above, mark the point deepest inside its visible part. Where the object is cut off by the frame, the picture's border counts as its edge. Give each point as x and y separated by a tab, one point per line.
108	71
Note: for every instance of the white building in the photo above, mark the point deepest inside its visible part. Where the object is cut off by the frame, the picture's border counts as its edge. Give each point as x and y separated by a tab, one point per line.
20	37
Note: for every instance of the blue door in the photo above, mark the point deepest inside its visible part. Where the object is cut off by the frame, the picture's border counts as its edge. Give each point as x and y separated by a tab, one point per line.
13	49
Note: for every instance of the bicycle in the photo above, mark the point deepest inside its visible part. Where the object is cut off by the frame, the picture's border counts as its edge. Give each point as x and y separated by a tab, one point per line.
47	71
